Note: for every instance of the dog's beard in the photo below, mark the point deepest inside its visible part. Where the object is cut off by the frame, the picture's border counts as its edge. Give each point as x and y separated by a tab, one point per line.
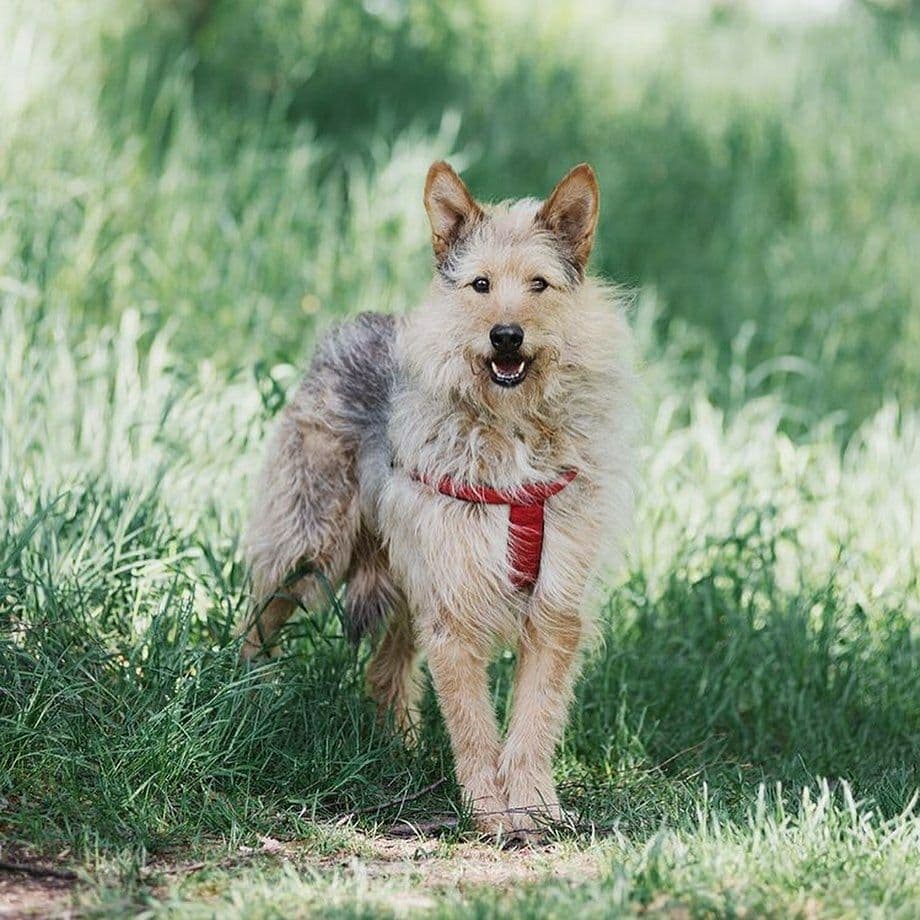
525	391
466	375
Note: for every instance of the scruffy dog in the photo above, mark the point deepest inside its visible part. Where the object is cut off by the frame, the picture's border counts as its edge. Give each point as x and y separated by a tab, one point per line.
464	469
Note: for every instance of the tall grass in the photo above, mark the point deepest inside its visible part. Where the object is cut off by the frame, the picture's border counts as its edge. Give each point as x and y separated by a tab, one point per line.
763	633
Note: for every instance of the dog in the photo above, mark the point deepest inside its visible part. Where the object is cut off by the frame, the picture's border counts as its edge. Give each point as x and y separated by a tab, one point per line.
464	470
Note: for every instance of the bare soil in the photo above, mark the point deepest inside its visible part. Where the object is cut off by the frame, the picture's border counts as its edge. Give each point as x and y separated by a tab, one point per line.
411	870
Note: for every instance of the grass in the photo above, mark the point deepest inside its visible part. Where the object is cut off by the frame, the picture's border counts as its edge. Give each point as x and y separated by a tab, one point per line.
745	738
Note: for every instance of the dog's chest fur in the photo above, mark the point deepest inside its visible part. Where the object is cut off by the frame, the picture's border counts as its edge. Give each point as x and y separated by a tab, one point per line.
452	556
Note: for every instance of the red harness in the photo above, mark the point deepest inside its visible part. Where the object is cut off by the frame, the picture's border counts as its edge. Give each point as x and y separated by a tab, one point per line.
525	531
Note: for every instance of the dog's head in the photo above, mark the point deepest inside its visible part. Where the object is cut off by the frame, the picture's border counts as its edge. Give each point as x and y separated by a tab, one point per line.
504	310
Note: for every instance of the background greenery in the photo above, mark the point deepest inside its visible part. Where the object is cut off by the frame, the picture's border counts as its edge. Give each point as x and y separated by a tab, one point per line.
190	190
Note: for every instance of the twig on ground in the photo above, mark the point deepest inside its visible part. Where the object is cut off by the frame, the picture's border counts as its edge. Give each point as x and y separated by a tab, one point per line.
423	828
401	800
38	871
183	870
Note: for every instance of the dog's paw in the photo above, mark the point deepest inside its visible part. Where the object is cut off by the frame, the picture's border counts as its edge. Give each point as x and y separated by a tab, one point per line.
254	654
536	812
491	816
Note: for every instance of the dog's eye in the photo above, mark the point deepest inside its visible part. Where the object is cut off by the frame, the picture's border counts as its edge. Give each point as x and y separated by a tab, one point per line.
481	285
539	284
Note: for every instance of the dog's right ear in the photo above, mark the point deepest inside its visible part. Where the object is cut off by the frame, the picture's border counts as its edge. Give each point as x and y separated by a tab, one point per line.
450	206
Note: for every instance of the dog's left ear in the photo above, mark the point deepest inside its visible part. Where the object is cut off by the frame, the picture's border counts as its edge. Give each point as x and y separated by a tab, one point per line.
450	206
571	212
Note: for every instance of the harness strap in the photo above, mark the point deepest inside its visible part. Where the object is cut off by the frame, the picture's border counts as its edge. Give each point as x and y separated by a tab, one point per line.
525	517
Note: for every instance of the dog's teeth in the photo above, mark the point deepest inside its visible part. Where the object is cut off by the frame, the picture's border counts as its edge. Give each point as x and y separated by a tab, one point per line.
504	375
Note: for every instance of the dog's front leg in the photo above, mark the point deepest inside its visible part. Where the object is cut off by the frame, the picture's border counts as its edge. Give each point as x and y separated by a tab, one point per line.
547	666
459	672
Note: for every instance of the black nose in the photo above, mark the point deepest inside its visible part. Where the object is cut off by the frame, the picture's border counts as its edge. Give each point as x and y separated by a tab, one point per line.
506	338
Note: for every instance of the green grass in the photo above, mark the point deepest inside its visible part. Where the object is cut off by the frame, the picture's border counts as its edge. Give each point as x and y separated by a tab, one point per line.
177	227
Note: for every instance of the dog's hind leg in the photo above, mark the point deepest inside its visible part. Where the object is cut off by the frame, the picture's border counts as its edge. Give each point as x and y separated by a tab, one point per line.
393	675
305	516
371	594
373	600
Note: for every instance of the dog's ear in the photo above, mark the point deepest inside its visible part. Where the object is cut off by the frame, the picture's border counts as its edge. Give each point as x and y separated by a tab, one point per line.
450	207
570	212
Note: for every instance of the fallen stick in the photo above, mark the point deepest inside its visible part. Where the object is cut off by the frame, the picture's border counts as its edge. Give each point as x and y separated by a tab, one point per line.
38	871
369	809
433	828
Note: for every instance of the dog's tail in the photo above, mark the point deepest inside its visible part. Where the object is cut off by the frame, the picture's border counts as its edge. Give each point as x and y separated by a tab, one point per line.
303	526
328	451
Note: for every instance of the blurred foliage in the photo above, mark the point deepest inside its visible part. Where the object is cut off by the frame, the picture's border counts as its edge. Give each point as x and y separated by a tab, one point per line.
347	67
249	168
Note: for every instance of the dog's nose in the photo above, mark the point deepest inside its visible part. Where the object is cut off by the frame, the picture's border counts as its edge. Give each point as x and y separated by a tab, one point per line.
506	338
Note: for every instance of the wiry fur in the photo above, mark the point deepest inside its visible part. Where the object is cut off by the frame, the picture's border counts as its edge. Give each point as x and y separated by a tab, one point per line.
386	398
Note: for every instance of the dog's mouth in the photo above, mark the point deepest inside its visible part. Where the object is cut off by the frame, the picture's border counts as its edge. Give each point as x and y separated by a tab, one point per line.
508	370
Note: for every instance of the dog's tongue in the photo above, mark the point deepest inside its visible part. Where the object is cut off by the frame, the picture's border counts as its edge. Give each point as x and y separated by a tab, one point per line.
507	366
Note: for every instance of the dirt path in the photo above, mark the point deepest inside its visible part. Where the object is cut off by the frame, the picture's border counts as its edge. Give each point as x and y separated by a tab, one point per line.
435	865
23	895
410	872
